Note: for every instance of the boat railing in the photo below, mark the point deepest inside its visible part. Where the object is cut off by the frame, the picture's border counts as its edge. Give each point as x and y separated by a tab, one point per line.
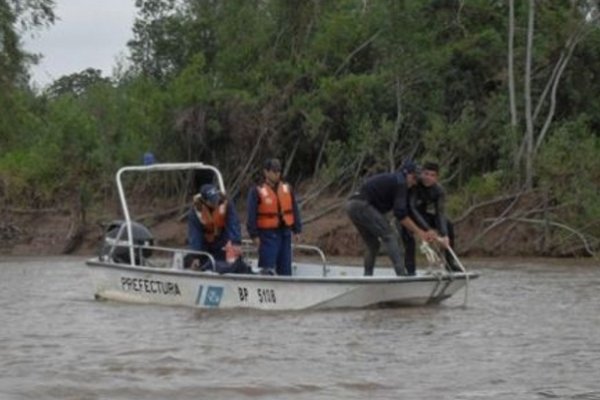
315	249
154	168
177	255
249	247
464	271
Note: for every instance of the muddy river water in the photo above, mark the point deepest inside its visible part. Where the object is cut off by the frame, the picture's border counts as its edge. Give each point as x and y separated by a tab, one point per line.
530	330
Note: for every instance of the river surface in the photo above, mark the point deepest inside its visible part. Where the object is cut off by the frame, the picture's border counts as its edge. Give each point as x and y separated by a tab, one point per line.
531	330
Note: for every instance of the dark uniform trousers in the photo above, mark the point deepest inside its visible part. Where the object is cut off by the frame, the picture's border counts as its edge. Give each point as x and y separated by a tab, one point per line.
373	226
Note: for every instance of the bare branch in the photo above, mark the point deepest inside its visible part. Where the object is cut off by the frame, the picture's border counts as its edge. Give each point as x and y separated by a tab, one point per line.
397	125
317	166
511	61
487	203
570	47
333	207
290	158
528	115
236	183
580	235
354	52
496	222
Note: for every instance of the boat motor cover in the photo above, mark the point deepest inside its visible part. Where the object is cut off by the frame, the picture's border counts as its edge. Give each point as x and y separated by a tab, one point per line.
141	237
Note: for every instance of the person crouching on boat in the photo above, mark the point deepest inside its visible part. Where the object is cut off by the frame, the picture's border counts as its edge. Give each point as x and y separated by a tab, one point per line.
377	196
426	203
273	216
213	227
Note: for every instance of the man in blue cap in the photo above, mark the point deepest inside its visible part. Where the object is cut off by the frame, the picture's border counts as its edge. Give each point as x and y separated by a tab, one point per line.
213	227
377	196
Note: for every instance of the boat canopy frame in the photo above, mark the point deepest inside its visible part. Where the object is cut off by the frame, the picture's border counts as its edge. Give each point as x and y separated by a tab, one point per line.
154	168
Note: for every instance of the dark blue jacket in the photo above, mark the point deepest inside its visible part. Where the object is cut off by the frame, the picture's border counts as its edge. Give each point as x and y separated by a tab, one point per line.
387	192
232	230
253	199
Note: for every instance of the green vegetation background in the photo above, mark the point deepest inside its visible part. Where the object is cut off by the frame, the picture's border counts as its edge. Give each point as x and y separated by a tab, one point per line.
337	89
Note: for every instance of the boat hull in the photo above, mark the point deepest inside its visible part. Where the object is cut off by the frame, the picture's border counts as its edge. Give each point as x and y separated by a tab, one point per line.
342	288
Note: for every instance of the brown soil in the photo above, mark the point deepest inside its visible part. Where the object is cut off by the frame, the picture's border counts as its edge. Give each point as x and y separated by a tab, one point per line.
53	232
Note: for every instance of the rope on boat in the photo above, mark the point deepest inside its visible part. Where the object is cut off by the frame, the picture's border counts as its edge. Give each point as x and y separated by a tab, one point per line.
432	256
462	268
434	259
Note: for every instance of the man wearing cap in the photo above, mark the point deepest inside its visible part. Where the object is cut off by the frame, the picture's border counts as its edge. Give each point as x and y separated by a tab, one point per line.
377	196
426	203
273	216
213	226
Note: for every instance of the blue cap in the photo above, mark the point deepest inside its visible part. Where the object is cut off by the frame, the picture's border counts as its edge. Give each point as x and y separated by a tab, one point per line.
410	167
210	194
149	158
272	164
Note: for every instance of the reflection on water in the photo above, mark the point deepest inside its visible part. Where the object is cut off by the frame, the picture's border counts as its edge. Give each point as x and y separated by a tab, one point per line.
530	331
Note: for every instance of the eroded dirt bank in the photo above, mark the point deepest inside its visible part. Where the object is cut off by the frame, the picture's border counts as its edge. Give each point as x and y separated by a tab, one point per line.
68	231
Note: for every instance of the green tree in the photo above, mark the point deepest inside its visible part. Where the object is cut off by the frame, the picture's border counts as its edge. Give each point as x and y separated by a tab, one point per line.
76	83
16	18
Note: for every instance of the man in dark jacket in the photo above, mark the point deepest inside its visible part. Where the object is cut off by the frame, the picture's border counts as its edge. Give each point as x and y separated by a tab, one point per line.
427	208
367	208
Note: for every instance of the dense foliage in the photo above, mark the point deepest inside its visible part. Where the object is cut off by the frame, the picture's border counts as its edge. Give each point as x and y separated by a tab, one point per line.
337	89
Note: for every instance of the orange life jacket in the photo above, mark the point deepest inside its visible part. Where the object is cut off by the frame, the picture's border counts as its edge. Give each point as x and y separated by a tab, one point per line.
275	209
213	221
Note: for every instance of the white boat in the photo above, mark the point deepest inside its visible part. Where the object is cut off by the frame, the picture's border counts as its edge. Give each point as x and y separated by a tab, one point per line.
145	273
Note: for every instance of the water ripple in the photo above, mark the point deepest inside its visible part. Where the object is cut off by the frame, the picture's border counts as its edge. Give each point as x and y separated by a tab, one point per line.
526	325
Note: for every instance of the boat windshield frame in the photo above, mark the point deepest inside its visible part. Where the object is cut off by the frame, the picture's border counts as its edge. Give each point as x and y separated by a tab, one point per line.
154	168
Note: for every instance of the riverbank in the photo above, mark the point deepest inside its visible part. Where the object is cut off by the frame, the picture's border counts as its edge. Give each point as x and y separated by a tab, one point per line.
59	231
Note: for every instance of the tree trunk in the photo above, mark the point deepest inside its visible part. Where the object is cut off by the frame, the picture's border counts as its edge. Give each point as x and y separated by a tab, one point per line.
397	125
571	43
511	61
528	114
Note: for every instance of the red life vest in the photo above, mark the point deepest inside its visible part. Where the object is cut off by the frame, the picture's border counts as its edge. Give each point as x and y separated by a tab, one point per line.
274	209
213	221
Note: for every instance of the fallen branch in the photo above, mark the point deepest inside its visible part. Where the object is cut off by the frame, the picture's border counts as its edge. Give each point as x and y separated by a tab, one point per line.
563	226
180	211
505	236
9	231
333	207
497	222
154	218
37	210
74	236
574	250
487	203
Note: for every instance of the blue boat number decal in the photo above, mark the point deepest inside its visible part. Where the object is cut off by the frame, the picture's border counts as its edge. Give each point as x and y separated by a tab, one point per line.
213	296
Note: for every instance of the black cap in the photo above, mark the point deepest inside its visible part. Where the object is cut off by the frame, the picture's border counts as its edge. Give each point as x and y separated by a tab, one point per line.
431	166
272	164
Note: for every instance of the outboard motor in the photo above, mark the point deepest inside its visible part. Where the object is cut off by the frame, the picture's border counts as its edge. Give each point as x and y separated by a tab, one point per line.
115	244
